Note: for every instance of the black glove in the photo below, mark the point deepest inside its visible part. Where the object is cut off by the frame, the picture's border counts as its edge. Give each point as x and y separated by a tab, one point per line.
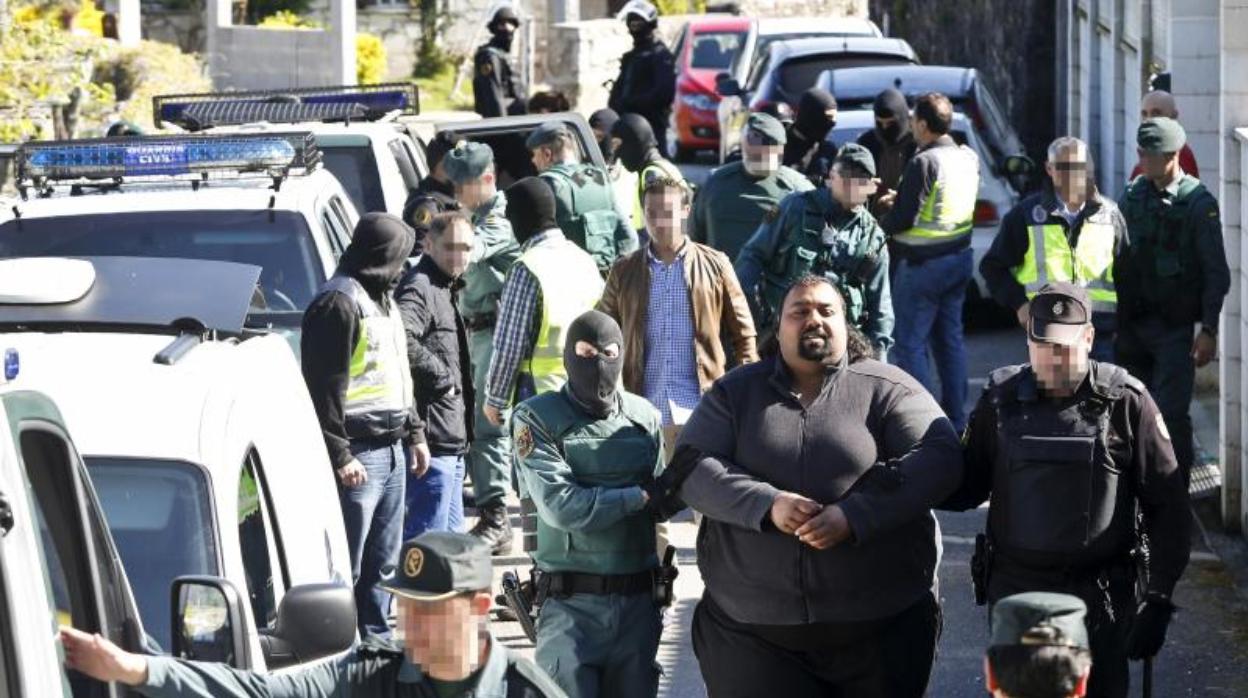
1148	631
662	503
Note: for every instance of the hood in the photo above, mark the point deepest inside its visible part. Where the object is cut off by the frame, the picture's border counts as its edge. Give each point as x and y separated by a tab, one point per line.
530	208
637	140
379	247
812	120
604	120
892	103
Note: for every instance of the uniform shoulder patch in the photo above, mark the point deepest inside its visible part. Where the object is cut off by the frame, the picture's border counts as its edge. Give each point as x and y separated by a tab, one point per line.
524	441
423	215
485	67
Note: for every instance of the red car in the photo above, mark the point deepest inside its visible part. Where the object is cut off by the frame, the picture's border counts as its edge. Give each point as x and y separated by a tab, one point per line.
706	48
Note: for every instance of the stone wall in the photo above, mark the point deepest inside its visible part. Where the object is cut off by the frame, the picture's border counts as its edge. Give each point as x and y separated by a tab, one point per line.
1010	41
182	28
399	31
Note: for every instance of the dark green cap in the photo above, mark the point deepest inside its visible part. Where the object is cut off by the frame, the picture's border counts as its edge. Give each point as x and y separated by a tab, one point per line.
856	159
765	129
468	161
546	134
438	565
1161	135
1040	619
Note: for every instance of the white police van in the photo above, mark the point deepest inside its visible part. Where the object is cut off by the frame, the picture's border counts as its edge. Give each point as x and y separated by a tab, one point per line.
355	129
202	444
261	199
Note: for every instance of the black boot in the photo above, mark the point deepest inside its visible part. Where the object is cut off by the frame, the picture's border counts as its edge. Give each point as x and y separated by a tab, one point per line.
494	529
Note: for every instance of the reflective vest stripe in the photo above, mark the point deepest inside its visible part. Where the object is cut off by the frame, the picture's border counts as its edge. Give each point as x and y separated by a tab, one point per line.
948	212
570	286
1050	259
378	376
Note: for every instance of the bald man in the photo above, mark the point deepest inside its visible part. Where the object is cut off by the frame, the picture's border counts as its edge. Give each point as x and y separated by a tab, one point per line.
1162	103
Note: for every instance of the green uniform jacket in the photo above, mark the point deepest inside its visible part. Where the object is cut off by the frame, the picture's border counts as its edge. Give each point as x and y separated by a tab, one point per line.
732	203
597	196
584	476
367	672
494	250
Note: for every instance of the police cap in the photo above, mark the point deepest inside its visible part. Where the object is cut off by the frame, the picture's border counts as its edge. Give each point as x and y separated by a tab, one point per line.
468	161
764	129
1040	619
546	134
856	160
1161	135
1059	313
440	564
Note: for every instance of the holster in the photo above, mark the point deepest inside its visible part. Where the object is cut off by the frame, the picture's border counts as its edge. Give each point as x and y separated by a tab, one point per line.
665	579
981	566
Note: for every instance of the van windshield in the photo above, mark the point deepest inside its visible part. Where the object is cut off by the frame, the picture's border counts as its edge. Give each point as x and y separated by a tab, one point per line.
356	169
160	515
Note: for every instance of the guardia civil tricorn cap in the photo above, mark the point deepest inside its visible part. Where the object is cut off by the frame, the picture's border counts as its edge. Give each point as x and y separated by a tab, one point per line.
1059	313
1040	619
440	564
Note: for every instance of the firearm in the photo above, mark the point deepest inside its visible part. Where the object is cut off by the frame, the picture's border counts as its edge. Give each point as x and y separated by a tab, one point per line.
520	604
665	579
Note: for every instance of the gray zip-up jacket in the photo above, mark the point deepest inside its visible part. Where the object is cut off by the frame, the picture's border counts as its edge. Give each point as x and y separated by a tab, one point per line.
757	440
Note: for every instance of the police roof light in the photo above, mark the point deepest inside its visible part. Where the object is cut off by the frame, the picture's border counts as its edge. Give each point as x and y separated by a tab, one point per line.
376	100
41	162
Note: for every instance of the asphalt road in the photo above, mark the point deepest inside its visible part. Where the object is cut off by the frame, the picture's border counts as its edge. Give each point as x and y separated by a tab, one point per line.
1207	653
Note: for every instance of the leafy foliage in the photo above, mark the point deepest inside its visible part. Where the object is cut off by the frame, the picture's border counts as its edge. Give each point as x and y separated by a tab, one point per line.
370	59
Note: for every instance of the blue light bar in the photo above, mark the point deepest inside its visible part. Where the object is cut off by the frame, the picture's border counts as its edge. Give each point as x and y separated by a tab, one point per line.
376	100
164	156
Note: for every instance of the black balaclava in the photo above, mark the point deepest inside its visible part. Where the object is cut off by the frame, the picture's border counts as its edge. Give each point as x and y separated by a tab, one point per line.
604	120
892	103
378	248
530	208
594	383
503	38
812	118
636	140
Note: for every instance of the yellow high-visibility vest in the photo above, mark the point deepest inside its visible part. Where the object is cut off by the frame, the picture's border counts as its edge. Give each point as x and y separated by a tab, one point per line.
948	212
1050	259
571	285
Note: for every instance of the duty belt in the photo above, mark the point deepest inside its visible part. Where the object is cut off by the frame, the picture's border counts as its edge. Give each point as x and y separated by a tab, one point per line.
567	583
484	321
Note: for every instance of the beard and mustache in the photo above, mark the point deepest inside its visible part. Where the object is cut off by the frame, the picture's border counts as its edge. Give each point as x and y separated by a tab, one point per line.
814	344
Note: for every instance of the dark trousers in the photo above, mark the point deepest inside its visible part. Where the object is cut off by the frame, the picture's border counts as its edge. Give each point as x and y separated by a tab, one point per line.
886	658
1160	355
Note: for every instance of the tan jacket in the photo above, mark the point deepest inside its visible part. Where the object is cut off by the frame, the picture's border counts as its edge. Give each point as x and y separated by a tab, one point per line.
719	308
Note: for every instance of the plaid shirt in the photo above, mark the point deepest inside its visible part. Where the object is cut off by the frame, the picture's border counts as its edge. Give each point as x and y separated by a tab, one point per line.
671	374
519	312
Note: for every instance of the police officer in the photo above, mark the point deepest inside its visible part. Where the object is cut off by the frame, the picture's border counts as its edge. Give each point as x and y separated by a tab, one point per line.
585	205
732	203
632	138
1068	232
826	232
435	194
808	149
587	454
442	585
1173	275
623	182
470	167
647	81
891	142
496	89
1078	463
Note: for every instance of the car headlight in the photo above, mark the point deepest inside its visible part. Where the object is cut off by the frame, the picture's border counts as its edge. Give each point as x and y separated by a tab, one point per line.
700	102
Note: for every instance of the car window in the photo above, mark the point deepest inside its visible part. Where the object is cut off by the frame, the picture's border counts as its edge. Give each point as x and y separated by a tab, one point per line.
407	166
715	50
997	123
678	48
161	518
800	74
334	221
49	465
278	242
757	71
356	168
258	543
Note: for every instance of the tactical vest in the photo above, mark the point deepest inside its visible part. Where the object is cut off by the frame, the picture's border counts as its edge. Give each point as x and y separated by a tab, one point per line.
570	286
1050	259
379	386
948	212
619	451
588	217
1162	273
1060	498
377	665
657	168
822	250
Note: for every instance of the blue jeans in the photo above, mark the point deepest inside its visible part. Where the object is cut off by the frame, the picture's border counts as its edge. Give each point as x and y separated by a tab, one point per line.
435	502
373	516
927	303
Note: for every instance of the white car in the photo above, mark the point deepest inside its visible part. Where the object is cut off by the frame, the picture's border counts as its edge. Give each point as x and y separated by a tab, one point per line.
996	194
355	127
295	233
202	444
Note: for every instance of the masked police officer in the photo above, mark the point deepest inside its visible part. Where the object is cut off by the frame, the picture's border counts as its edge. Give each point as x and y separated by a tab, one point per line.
1173	276
496	90
809	150
442	584
435	194
587	454
647	81
585	204
633	139
736	197
1078	462
826	232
